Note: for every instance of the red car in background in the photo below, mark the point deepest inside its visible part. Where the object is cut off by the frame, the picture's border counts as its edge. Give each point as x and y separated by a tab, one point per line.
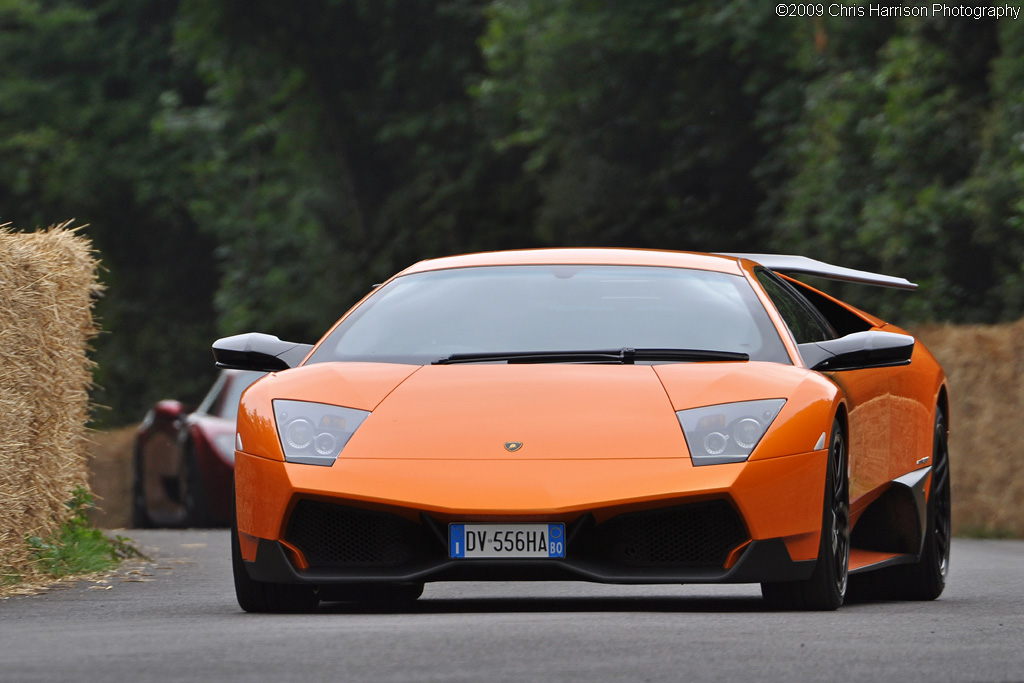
184	460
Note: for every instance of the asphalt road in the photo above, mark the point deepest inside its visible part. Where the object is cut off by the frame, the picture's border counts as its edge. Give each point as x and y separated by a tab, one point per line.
175	619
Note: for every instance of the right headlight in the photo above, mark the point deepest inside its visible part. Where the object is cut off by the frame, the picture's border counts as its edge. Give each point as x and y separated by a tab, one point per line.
315	433
728	432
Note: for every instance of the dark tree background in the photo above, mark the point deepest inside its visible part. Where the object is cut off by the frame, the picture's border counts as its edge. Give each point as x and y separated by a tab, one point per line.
258	165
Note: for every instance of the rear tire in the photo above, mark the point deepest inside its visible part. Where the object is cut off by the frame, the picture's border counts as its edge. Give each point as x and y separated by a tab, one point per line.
197	512
825	590
262	597
140	516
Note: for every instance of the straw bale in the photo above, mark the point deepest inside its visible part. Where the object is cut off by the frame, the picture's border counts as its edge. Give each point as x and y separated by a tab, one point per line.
48	282
985	368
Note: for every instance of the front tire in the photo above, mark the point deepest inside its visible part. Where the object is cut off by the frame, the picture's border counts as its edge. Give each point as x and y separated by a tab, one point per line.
262	597
825	590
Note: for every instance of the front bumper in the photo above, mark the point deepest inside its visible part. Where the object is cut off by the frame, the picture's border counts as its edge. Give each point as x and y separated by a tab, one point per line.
761	561
627	521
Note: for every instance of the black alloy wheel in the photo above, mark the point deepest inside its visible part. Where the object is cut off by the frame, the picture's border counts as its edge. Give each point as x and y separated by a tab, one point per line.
140	513
193	497
826	588
840	518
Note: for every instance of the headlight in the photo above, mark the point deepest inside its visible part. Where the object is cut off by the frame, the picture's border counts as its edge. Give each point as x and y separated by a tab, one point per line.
315	433
728	432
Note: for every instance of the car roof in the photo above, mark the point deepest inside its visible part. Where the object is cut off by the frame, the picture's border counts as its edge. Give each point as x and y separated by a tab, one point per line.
719	262
584	256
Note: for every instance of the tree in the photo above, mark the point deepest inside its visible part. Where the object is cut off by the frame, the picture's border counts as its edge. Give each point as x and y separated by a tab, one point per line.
341	145
884	159
647	123
82	82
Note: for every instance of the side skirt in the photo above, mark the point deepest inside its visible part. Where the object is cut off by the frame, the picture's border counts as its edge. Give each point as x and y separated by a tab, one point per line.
892	529
867	560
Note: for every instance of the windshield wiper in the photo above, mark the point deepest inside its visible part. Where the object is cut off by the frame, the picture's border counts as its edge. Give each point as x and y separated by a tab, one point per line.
624	356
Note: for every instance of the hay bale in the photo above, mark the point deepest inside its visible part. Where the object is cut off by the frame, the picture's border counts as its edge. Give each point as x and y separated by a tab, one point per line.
985	366
48	282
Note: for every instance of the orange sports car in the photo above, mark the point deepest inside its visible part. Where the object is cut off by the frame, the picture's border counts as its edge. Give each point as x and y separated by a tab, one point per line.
605	415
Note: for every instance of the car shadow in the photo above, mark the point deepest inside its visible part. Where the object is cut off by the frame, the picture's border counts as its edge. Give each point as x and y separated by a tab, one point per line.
662	604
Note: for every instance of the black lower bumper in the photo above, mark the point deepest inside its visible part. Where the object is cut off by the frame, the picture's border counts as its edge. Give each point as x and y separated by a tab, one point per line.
762	561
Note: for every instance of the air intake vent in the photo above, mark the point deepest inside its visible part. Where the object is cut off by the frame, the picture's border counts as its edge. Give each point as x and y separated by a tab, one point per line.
695	535
340	536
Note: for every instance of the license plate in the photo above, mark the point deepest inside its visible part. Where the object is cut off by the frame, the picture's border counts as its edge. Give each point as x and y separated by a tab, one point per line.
506	540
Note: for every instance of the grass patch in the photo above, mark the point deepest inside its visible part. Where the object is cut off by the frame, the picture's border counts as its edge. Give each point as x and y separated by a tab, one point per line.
78	547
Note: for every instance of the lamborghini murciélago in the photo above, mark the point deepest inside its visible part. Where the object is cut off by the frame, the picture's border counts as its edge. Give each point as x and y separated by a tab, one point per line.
614	416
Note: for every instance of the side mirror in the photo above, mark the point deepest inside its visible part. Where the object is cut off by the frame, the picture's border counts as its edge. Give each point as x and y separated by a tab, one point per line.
260	352
858	351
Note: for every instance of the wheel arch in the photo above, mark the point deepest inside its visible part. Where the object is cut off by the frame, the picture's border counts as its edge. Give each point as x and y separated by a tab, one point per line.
842	416
942	405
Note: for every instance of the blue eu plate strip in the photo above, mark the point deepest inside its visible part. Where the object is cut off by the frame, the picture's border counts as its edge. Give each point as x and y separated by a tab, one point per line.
457	540
556	540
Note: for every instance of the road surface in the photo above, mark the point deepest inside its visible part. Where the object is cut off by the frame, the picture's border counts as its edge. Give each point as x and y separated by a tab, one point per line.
175	619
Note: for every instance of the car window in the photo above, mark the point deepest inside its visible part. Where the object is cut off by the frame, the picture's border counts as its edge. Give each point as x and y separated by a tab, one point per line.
843	320
425	316
222	399
213	395
801	318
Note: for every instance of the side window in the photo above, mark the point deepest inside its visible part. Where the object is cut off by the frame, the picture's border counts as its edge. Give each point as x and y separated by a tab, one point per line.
803	321
209	404
842	320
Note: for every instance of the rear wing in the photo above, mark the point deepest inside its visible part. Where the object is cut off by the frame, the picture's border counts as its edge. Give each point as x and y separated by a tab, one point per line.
783	263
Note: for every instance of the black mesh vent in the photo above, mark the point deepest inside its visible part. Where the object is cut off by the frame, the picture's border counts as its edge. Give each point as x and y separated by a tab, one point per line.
695	535
338	536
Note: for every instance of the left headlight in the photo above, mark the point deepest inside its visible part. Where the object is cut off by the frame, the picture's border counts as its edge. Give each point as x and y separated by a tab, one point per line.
728	432
315	433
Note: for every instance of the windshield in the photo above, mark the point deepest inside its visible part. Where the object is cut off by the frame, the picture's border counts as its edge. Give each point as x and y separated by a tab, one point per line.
222	399
423	317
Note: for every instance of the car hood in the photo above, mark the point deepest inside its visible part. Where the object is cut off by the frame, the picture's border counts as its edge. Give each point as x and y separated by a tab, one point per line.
523	412
533	411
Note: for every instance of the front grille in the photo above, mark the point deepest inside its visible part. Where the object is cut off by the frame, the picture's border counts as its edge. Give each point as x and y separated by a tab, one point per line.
338	536
694	535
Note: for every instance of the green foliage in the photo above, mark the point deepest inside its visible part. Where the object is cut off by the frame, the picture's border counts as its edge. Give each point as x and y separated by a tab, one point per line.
82	82
78	547
639	119
889	173
258	165
344	137
997	186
